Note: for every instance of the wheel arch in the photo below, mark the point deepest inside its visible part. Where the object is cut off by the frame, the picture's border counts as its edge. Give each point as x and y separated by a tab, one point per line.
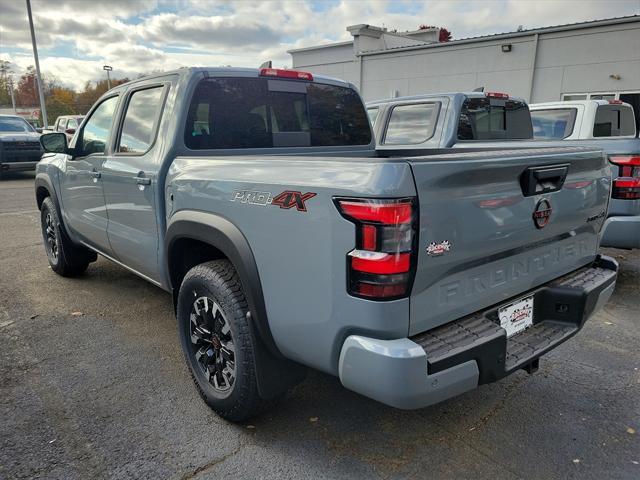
225	240
43	189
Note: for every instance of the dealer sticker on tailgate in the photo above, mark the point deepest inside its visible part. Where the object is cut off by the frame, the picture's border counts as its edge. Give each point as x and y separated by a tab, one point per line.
516	316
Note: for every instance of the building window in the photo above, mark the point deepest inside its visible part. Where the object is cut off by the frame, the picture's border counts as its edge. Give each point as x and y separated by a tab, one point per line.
602	96
579	96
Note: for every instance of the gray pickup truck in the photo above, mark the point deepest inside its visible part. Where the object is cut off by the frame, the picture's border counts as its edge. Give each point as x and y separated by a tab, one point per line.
495	120
257	198
609	125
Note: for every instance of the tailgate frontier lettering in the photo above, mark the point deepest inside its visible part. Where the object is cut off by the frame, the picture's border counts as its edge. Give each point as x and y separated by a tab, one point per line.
487	280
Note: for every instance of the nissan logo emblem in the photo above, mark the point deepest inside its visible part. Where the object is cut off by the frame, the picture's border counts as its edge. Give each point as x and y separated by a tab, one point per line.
542	213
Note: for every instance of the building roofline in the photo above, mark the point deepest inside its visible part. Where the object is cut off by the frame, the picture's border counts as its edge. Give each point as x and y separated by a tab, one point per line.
523	33
320	47
485	38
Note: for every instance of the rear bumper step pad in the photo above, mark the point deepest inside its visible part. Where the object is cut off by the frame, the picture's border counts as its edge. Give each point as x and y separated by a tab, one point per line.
560	309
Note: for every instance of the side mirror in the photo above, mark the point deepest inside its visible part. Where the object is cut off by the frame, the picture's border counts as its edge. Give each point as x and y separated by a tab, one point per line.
54	142
39	129
70	131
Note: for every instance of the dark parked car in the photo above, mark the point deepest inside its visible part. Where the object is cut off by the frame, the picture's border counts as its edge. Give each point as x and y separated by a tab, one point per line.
20	147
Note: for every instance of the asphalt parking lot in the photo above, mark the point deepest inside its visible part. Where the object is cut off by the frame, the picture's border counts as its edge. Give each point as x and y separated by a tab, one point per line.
93	385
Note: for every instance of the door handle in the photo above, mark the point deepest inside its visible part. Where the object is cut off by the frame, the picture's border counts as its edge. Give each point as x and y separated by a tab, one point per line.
143	180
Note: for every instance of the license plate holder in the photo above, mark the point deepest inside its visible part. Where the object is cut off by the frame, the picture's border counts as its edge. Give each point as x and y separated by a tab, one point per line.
516	316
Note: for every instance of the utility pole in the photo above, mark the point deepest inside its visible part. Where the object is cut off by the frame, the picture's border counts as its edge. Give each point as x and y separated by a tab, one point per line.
108	68
43	108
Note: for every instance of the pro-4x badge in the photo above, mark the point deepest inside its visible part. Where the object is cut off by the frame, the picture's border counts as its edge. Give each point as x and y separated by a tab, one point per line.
438	248
286	200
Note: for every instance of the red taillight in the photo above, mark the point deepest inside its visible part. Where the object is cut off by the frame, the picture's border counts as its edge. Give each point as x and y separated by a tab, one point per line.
497	95
371	290
369	237
626	188
627	185
282	73
386	213
380	266
615	102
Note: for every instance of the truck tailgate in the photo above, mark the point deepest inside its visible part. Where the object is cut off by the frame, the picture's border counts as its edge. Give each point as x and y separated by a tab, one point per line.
481	241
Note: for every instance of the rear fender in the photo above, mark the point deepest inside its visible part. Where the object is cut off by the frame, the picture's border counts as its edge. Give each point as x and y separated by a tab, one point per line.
275	373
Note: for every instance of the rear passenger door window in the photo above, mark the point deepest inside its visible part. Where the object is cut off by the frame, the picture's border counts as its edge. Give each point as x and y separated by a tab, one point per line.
411	124
140	121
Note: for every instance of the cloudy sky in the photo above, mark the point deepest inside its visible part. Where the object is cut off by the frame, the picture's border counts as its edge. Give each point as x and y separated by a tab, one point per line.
77	37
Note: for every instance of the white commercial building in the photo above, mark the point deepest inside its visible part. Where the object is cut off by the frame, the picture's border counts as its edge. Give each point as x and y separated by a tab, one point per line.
598	59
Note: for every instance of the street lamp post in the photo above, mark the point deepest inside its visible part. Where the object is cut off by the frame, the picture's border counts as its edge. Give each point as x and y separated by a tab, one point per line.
13	98
43	108
108	68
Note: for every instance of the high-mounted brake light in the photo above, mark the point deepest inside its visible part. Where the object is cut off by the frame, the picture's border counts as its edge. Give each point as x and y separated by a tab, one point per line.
627	185
381	265
282	73
497	95
615	102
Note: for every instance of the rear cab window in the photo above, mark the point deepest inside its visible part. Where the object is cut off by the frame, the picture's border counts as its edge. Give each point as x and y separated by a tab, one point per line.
553	123
489	118
614	121
411	124
233	113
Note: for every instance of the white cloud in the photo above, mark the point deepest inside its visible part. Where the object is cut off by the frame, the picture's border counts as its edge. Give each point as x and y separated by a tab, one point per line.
77	37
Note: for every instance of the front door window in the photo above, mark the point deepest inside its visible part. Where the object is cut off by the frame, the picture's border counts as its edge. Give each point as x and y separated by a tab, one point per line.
96	131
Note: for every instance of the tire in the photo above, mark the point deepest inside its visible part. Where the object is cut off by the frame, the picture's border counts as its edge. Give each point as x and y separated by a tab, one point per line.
216	338
64	257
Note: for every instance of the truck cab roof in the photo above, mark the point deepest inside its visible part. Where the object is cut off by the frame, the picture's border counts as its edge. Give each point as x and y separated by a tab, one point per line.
566	103
428	96
226	72
440	120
